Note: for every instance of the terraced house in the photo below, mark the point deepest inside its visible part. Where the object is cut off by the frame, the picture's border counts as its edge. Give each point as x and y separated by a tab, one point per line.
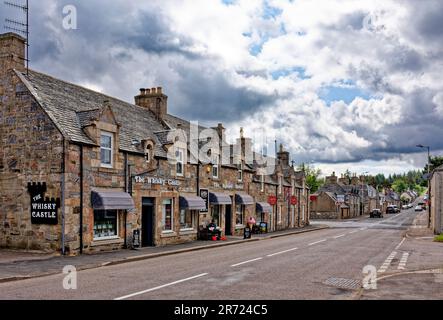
82	172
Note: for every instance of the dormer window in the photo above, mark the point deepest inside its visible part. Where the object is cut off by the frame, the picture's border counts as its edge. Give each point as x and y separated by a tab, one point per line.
106	149
215	168
240	173
148	153
179	165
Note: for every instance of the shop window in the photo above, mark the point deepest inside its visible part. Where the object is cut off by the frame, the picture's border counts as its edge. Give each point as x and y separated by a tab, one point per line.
186	219
239	214
105	224
106	149
167	214
216	214
179	166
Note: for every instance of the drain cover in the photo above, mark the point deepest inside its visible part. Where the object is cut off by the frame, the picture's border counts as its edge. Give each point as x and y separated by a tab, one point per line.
350	284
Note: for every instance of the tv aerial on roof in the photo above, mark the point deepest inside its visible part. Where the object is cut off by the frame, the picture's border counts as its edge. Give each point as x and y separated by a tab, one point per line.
20	26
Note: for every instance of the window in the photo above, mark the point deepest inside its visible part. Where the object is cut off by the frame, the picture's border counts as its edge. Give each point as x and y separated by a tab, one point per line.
239	213
215	169
303	213
279	209
167	214
293	187
262	183
179	166
105	224
280	184
148	153
186	219
216	214
240	173
106	149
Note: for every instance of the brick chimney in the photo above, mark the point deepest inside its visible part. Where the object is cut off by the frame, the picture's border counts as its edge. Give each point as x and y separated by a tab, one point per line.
331	179
283	156
154	100
355	180
12	52
344	180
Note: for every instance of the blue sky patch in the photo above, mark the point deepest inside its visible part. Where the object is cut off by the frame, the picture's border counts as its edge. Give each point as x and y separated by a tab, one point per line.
347	94
286	72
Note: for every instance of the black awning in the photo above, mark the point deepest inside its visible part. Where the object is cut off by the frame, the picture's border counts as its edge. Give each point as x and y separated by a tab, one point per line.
263	207
192	203
244	199
112	200
219	198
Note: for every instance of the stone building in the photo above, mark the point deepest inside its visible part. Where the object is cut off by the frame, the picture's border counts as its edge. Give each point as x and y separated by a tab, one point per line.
82	172
436	200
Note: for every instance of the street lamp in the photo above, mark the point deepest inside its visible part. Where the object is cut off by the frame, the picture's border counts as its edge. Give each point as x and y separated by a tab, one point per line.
429	167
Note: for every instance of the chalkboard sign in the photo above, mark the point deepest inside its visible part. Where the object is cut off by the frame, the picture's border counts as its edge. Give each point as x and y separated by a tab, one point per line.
136	238
247	233
263	227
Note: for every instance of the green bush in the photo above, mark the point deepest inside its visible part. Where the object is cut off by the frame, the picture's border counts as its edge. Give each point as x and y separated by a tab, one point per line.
439	238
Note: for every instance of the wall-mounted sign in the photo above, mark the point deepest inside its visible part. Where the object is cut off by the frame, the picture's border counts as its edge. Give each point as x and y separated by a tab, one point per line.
43	210
204	194
293	200
272	200
313	198
229	186
157	181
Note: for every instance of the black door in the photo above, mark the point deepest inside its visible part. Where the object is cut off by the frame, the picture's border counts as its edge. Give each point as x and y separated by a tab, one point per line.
148	222
228	220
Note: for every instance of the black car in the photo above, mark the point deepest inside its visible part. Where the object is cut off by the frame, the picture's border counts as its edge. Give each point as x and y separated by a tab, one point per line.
390	209
376	213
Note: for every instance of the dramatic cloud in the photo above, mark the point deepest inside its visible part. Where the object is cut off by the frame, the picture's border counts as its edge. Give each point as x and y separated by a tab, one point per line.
353	84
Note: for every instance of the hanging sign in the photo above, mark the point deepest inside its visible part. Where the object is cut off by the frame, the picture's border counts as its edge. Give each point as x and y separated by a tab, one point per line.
293	200
272	200
204	194
43	210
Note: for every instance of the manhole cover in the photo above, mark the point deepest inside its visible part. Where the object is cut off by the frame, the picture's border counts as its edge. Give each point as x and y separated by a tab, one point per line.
350	284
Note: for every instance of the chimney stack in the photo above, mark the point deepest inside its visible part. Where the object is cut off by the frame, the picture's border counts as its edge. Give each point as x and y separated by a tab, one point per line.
283	156
154	100
12	53
331	179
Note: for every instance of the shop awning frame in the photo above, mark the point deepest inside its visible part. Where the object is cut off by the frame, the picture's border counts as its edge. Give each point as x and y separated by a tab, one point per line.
263	207
192	203
111	200
219	198
244	199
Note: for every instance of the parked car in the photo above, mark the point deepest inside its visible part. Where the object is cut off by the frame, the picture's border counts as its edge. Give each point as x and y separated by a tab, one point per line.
390	209
405	207
410	206
376	213
418	208
397	209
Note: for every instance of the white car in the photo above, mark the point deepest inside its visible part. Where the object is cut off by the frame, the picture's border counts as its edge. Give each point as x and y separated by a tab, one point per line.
404	207
418	208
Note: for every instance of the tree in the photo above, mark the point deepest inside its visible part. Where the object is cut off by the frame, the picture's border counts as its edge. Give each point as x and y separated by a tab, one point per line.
435	163
313	179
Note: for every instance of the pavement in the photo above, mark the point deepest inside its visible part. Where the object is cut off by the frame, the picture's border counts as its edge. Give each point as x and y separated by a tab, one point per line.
330	263
18	265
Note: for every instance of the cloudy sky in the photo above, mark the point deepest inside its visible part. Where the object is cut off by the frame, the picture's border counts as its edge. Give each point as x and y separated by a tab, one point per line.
343	84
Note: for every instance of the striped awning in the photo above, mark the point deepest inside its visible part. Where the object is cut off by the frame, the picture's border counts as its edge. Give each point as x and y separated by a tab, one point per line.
111	200
245	199
263	207
219	198
192	203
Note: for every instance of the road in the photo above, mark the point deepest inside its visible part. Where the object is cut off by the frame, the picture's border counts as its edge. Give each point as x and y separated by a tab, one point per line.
325	264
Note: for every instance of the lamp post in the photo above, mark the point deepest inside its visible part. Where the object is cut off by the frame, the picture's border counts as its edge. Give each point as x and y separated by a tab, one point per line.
429	167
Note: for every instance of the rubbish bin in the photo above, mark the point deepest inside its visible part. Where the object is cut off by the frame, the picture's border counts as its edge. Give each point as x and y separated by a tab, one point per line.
247	233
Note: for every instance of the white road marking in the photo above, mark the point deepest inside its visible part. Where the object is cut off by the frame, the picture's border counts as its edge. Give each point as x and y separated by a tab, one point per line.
339	236
277	253
353	231
311	244
160	287
387	262
361	229
398	246
252	260
403	261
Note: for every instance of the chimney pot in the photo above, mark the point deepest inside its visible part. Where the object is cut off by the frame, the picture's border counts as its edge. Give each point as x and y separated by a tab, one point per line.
142	91
147	91
159	90
153	90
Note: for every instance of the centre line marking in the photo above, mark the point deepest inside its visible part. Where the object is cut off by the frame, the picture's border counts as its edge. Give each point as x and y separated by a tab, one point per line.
160	287
252	260
339	236
399	245
277	253
311	244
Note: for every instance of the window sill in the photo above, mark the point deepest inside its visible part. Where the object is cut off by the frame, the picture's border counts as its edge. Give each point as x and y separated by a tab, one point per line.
106	241
167	234
239	226
188	231
107	169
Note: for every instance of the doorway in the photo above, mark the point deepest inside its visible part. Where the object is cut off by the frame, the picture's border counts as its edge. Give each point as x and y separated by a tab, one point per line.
228	219
148	218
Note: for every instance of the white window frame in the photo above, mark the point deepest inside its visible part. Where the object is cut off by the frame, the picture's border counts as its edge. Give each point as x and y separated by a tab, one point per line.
182	161
240	173
303	213
192	220
262	183
280	185
94	238
279	211
215	166
242	214
164	216
111	135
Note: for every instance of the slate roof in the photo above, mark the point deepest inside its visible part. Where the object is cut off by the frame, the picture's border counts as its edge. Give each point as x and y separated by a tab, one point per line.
71	107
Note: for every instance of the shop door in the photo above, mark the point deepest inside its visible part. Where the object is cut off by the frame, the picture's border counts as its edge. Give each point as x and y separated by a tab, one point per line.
228	219
148	222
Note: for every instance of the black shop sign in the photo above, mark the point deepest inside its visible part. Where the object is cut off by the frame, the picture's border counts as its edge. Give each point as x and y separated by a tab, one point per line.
204	194
44	210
